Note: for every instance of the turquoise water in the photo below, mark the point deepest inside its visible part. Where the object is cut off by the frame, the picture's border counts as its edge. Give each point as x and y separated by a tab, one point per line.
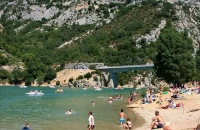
47	112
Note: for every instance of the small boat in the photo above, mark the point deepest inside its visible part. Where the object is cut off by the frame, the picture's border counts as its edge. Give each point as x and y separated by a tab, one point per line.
84	88
59	91
98	89
34	93
23	86
51	86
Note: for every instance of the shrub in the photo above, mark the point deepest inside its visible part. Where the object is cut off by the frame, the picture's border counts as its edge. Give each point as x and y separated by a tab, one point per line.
88	75
70	80
80	77
166	88
143	93
92	67
57	82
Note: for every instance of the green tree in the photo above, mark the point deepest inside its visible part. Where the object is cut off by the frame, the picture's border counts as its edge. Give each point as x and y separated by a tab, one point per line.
50	74
4	74
174	60
17	76
88	75
71	80
3	60
57	82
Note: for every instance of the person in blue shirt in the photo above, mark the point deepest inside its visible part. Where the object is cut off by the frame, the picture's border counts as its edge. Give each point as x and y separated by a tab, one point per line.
26	127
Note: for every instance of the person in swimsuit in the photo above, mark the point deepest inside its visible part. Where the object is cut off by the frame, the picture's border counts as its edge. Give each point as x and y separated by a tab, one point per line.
69	112
157	121
128	125
26	127
131	96
122	117
135	95
93	103
91	121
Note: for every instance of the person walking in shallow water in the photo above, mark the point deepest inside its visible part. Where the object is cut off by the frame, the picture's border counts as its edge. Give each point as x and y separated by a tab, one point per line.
91	121
122	117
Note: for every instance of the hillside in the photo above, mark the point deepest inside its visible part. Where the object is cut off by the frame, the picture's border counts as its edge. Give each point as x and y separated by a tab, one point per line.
64	76
44	35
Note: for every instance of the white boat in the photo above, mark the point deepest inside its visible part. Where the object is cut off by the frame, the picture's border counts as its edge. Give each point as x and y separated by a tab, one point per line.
98	89
34	93
51	86
84	88
23	86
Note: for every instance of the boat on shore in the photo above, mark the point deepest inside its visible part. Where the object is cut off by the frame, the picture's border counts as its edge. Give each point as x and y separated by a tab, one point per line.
98	89
84	88
23	86
52	86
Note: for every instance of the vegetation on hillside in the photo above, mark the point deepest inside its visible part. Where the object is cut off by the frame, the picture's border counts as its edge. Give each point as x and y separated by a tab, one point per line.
37	45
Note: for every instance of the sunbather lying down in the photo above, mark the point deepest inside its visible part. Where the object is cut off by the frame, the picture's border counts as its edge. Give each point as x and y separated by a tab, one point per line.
177	97
178	105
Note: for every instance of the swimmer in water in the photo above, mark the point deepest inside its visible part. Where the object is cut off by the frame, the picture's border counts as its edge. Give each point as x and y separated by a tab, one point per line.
93	103
69	112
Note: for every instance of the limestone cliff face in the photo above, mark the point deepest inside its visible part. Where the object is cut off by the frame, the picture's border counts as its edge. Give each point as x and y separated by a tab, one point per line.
56	13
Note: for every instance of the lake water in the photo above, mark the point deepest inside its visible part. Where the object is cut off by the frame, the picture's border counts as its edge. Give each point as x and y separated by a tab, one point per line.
47	112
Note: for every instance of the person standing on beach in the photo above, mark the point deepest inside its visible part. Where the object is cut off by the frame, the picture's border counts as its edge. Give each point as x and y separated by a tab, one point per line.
131	96
157	121
91	121
135	95
122	117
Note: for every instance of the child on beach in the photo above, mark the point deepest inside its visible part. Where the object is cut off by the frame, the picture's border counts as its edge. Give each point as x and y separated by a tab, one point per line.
128	125
122	117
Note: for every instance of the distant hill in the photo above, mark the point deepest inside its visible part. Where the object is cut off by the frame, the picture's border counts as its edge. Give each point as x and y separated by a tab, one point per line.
42	34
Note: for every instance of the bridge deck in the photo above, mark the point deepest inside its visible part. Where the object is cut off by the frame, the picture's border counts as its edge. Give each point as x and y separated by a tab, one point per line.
125	68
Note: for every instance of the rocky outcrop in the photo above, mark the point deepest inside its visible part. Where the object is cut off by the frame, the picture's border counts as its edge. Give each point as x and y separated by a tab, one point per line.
153	36
188	21
58	13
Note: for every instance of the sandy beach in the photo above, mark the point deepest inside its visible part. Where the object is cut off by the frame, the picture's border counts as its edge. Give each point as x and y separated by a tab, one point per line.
180	118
